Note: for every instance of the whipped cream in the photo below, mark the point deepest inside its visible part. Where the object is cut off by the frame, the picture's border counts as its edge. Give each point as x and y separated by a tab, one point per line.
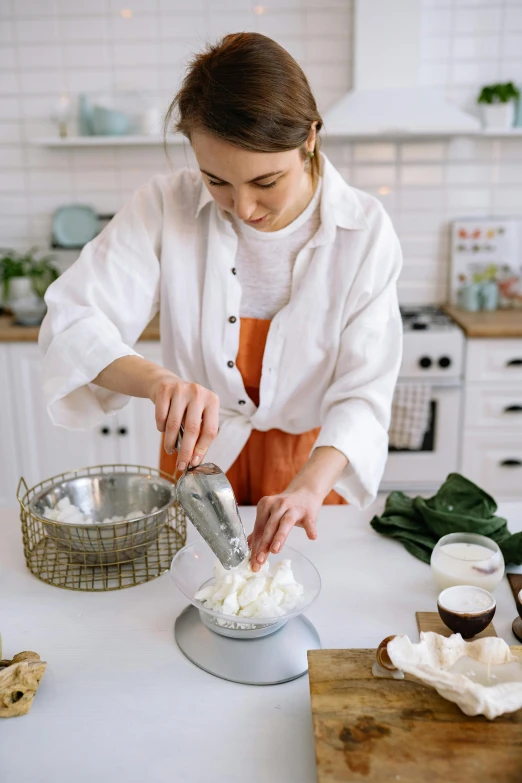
241	592
67	512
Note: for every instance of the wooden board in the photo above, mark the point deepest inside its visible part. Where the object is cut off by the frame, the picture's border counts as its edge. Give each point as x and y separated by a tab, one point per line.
500	323
430	621
377	730
11	332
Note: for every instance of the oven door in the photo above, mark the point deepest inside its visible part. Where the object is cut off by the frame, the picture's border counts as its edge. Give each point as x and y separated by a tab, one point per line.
427	467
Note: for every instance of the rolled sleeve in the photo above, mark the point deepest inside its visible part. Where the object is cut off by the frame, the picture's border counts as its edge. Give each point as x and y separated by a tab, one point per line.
356	409
97	311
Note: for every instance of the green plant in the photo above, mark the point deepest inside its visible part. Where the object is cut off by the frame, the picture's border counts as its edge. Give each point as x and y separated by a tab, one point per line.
40	270
499	93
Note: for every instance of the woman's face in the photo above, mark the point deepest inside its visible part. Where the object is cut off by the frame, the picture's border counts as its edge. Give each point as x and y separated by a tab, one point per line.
267	190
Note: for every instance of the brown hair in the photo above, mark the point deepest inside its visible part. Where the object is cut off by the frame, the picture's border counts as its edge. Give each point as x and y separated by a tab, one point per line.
249	91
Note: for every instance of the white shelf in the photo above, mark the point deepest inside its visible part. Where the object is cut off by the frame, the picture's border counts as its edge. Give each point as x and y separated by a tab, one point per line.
152	141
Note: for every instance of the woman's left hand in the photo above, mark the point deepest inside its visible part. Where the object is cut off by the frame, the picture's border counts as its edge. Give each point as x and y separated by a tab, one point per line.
276	516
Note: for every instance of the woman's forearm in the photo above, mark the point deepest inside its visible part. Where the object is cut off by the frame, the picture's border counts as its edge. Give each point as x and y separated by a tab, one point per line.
132	375
320	472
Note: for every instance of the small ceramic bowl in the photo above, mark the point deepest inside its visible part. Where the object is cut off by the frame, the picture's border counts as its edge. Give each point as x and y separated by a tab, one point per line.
518	601
466	609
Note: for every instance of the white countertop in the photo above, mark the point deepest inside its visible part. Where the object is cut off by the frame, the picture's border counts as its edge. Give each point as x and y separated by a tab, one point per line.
119	701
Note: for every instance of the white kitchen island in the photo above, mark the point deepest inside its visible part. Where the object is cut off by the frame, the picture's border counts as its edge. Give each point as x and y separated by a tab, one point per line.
119	701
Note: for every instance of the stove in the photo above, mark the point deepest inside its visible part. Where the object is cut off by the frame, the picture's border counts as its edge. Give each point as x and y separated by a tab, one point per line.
433	357
433	345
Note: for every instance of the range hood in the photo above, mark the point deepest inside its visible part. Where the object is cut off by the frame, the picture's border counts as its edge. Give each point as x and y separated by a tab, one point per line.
387	97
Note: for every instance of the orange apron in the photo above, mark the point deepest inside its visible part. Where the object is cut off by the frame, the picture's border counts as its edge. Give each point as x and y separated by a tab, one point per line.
269	460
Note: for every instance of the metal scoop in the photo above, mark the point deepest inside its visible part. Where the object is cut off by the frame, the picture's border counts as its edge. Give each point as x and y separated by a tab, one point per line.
205	495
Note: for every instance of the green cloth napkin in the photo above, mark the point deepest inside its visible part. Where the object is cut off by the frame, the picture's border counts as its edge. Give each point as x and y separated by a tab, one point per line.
459	506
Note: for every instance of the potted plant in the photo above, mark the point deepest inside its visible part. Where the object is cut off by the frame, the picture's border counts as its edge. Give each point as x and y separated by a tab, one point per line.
24	279
498	105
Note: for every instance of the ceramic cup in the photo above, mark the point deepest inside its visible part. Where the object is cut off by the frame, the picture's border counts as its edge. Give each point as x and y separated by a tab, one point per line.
466	609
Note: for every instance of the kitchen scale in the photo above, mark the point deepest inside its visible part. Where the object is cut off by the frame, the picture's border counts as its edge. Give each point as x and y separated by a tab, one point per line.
251	651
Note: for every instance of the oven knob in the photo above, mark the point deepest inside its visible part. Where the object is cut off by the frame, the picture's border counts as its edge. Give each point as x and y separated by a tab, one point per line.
425	362
444	362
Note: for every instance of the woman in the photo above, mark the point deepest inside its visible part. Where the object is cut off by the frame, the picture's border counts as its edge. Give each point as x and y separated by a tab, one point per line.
280	327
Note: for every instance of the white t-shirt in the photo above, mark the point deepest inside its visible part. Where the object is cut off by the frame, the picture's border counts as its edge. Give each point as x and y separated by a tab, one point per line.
265	260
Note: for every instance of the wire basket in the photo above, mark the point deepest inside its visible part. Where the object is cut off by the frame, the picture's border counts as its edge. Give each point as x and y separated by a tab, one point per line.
100	557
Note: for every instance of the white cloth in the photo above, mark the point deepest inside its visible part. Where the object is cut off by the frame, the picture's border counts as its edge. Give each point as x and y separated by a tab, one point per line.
410	415
332	355
265	260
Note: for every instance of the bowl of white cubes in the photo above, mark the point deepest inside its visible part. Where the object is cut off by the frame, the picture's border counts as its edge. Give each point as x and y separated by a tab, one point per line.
105	518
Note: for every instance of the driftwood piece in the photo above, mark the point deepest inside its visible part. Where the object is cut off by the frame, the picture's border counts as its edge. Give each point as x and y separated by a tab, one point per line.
19	681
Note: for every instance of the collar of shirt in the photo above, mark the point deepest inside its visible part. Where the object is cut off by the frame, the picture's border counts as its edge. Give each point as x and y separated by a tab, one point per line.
340	206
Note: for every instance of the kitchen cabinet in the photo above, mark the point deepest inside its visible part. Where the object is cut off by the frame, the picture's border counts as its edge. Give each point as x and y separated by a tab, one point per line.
492	433
36	449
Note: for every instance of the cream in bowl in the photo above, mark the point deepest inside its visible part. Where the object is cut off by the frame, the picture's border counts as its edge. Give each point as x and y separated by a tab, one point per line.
466	609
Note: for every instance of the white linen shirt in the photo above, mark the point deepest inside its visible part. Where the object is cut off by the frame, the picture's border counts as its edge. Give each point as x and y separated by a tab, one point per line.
332	354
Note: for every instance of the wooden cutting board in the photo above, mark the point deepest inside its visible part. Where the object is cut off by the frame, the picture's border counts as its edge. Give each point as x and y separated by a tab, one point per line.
377	730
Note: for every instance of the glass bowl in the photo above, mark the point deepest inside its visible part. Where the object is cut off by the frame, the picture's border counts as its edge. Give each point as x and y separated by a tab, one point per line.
193	567
467	559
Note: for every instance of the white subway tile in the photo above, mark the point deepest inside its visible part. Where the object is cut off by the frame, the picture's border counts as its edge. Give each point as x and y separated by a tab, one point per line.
96	180
37	30
421	175
140	27
174	6
433	74
12	181
419	245
334	24
104	202
22	8
142	78
13	204
421	199
89	159
376	152
93	79
183	26
436	47
8	83
220	24
512	46
7	32
88	55
45	181
436	21
511	70
288	24
510	149
136	54
9	107
176	52
469	149
475	72
42	82
39	56
363	176
468	198
513	17
510	174
93	7
49	202
476	46
507	201
327	50
84	29
14	226
10	133
477	20
420	223
11	158
49	159
7	57
115	7
423	151
328	76
469	174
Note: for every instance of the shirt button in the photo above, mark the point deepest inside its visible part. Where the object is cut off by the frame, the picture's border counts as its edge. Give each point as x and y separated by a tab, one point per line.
230	364
233	270
242	402
232	319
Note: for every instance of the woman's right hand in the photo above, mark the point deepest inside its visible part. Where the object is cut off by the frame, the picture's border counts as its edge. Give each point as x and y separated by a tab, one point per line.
178	402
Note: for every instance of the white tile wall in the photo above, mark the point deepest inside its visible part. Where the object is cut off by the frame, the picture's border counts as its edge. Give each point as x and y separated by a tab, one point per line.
54	46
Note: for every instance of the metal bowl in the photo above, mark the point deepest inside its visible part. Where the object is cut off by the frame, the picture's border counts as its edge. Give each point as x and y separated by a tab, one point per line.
103	495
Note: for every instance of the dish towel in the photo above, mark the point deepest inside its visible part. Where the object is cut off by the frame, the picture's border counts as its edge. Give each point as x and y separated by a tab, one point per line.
410	415
458	506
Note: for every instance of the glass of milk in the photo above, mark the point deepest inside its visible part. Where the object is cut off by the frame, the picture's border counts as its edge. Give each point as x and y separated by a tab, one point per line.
467	559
